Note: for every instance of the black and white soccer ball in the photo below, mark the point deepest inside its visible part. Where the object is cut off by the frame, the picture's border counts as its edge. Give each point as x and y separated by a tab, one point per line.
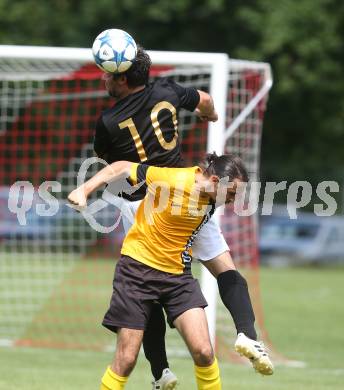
114	51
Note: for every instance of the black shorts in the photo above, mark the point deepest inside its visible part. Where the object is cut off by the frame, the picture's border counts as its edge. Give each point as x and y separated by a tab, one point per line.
136	287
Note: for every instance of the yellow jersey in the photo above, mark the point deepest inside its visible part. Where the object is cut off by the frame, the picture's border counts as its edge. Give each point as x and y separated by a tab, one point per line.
168	218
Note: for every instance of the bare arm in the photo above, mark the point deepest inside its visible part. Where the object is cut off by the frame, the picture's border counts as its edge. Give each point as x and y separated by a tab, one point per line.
112	172
205	108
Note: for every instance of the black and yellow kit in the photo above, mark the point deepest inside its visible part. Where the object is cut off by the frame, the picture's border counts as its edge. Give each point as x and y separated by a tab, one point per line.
168	219
143	127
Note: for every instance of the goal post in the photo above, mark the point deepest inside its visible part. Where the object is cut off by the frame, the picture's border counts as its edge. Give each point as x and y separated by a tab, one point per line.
216	143
55	271
249	84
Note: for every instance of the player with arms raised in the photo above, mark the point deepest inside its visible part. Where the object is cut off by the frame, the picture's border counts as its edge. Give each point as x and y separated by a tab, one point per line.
142	127
154	264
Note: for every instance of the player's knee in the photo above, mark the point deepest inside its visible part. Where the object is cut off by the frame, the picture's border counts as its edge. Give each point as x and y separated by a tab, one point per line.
220	264
203	355
125	363
230	278
130	360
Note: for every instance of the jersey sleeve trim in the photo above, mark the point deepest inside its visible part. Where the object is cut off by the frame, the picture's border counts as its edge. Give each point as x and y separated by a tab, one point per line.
138	173
142	172
133	173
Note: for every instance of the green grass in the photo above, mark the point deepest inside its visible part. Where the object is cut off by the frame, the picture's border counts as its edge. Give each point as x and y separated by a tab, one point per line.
304	314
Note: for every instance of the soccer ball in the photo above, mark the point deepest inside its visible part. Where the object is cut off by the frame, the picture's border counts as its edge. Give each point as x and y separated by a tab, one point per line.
114	51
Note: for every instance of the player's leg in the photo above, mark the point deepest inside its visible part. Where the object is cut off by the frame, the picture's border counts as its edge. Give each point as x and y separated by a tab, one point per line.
127	316
154	336
154	341
127	349
212	250
193	327
234	293
184	304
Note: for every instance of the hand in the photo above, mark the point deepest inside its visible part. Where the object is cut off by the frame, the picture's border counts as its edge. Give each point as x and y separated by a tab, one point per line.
78	198
213	117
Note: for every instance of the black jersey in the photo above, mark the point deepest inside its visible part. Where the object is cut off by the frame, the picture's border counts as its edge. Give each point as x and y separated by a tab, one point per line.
143	127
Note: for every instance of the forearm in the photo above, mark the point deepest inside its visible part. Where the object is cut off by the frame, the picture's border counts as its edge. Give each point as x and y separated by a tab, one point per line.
108	174
206	104
205	109
112	172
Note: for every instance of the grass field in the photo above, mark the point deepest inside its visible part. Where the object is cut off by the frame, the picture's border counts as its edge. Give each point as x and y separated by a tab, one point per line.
304	314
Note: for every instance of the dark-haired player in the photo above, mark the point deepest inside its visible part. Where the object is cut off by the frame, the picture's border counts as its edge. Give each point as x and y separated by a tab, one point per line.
142	127
154	263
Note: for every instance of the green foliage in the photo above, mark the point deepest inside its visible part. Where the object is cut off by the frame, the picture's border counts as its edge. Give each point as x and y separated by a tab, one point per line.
303	40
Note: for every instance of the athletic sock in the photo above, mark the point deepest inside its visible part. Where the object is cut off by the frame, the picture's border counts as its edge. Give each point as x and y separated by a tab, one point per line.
154	342
235	296
112	381
208	378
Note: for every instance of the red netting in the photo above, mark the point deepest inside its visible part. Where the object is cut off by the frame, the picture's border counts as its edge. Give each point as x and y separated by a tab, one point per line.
47	131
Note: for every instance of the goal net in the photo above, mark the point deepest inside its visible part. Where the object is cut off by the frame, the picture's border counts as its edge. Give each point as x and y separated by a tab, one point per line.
55	270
